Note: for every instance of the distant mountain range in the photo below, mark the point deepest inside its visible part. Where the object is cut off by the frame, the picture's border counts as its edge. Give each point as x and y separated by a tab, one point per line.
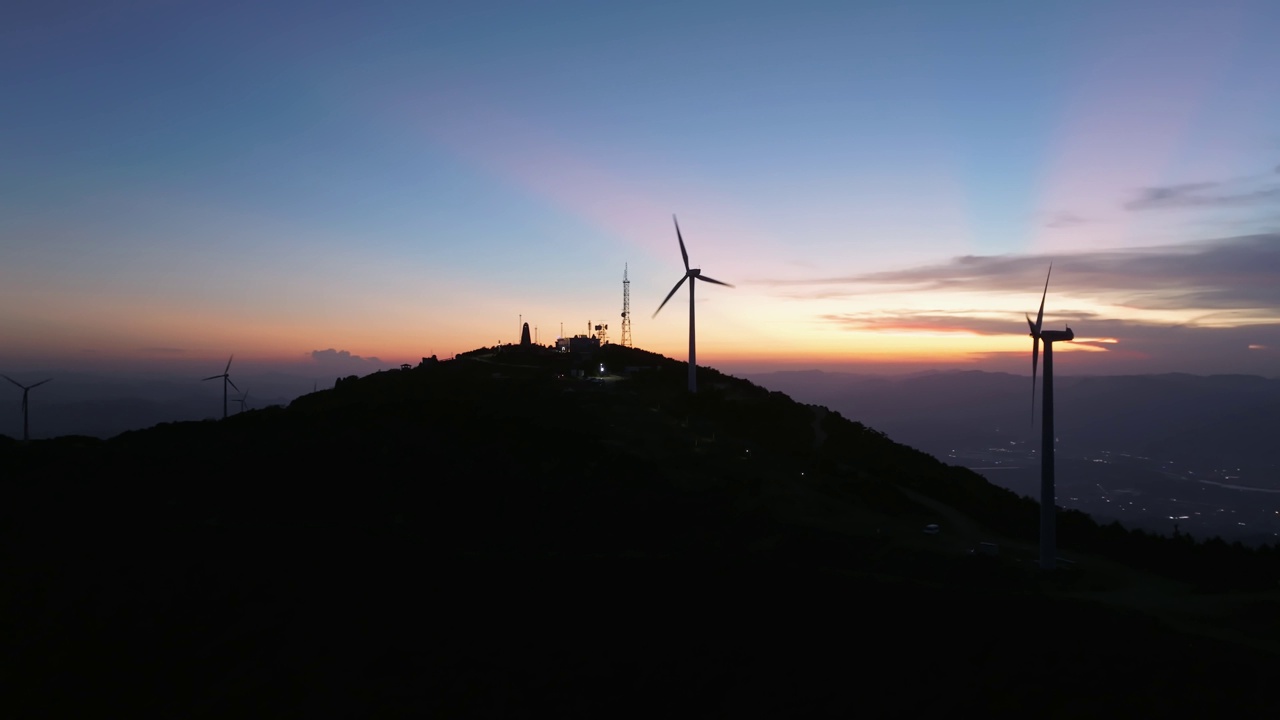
1203	421
103	405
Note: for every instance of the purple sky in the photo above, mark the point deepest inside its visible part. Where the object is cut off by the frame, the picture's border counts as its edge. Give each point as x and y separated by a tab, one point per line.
884	183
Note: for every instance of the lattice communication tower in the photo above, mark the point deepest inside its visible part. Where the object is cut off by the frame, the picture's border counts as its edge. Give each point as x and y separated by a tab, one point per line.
626	309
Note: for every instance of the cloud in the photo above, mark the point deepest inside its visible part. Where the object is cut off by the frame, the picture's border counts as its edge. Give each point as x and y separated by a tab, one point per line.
1230	275
341	358
1159	347
1167	195
1065	220
1199	195
978	322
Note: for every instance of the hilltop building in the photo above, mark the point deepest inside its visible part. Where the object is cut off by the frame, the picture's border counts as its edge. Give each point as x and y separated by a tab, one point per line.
578	343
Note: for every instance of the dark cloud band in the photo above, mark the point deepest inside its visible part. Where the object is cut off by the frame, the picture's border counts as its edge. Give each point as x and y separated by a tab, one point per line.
1230	274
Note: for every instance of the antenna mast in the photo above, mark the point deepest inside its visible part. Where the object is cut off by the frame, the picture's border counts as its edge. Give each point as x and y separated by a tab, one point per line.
626	308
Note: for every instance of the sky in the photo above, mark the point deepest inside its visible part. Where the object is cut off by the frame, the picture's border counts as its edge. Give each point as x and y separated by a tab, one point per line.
885	184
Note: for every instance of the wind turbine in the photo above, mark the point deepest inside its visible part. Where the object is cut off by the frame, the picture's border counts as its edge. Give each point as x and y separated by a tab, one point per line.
1048	506
692	275
26	433
244	398
226	380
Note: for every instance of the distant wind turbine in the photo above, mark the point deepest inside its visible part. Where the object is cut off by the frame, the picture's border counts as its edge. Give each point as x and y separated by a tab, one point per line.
226	380
1048	497
244	398
26	432
692	275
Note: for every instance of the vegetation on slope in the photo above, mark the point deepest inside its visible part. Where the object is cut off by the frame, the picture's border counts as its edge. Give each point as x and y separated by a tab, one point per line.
493	534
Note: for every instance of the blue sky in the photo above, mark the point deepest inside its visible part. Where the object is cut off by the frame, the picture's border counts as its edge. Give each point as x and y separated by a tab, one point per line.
179	181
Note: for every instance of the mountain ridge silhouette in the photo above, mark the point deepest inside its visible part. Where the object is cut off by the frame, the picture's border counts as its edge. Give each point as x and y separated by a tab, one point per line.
493	535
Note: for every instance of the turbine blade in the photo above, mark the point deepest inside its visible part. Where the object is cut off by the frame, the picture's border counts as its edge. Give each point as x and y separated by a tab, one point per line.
211	377
232	384
41	383
1035	362
1030	325
683	253
228	368
673	292
713	280
15	382
1040	315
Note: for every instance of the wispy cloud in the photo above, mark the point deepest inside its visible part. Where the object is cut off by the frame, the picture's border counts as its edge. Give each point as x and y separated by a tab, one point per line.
1204	194
1225	275
978	322
1065	220
341	358
1190	347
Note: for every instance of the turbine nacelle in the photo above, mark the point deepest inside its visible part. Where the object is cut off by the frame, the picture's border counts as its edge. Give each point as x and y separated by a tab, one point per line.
1048	495
693	275
26	433
226	380
1047	336
1052	335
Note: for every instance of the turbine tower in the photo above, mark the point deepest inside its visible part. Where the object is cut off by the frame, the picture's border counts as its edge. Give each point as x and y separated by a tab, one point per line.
1048	496
26	432
692	275
626	308
226	380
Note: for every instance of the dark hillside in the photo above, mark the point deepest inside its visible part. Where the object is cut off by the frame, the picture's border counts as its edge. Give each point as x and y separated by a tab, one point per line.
496	536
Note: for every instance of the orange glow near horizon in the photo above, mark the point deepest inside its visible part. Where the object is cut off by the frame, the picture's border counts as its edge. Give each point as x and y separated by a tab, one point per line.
277	341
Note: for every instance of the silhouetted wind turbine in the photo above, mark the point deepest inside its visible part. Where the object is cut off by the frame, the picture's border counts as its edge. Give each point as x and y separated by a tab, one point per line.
244	398
1048	497
26	433
226	380
692	275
